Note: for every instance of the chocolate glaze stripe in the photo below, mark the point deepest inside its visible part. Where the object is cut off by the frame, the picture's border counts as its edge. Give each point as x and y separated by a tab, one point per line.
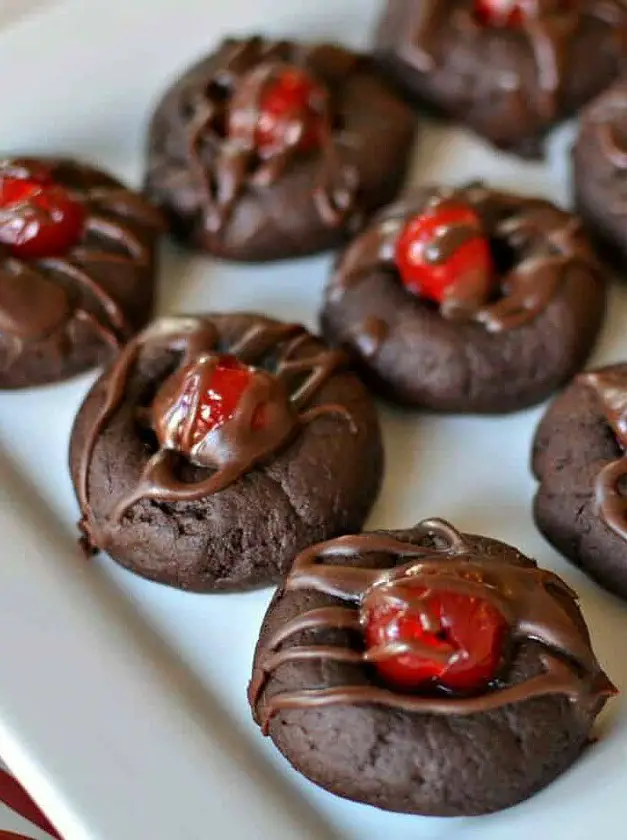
122	202
247	70
557	679
120	235
371	336
610	387
113	310
230	449
613	149
321	366
51	314
530	599
261	338
448	240
339	618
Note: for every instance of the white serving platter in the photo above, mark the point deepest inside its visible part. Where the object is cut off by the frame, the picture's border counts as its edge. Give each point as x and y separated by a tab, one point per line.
122	703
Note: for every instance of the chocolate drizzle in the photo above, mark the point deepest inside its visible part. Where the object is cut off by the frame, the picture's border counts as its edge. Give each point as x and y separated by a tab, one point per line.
532	600
229	450
225	110
36	296
613	148
610	387
600	161
549	27
371	335
449	239
546	240
606	120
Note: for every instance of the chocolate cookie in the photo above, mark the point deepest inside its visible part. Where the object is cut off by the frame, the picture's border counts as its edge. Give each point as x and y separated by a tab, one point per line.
426	671
272	149
217	447
467	300
509	70
77	268
600	171
579	460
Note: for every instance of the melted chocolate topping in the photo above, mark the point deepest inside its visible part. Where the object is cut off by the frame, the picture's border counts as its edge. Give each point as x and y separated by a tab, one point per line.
614	147
532	600
371	336
448	240
36	295
606	123
610	387
607	118
549	27
222	127
229	450
547	240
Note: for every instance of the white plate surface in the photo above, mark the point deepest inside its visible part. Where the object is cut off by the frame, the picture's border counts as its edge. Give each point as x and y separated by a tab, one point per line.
122	703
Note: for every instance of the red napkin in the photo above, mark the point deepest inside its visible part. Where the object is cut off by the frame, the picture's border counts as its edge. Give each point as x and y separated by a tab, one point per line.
13	795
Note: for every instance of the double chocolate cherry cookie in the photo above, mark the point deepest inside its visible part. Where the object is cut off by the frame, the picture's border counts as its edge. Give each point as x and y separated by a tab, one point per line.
216	448
600	172
579	460
272	149
510	69
77	266
467	300
426	671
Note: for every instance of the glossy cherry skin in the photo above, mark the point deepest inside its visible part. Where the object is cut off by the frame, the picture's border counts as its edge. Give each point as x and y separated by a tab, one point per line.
470	629
514	13
429	280
221	396
290	113
38	218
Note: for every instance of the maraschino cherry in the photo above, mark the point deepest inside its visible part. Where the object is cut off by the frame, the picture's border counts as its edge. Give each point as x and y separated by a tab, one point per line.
38	218
222	395
200	399
466	635
515	12
290	113
425	274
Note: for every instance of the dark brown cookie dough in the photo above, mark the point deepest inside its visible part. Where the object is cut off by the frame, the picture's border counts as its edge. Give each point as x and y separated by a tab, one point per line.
600	172
330	713
578	458
495	344
205	169
508	83
201	509
65	313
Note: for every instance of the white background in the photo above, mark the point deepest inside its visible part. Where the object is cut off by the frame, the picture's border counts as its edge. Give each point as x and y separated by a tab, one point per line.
123	703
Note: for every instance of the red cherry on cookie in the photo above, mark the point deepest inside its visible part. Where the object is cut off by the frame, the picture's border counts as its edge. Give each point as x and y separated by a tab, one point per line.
290	113
514	12
430	266
38	218
458	639
220	397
